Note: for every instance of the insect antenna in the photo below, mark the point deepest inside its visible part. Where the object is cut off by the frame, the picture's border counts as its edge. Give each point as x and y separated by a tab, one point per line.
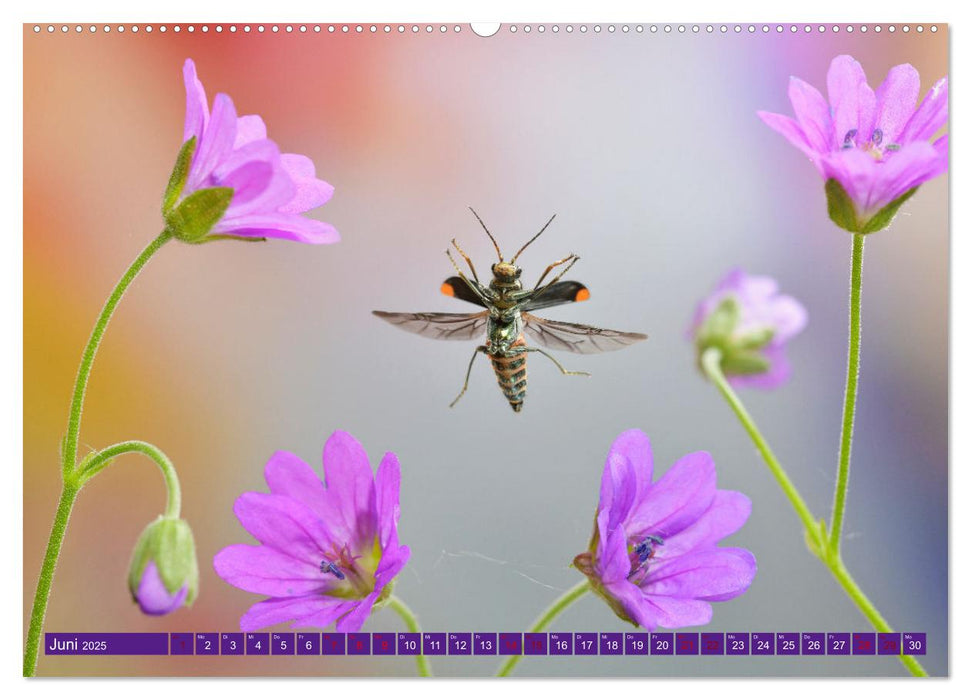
532	239
498	252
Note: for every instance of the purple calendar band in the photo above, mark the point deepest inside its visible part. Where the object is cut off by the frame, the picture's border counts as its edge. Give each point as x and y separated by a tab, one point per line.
487	643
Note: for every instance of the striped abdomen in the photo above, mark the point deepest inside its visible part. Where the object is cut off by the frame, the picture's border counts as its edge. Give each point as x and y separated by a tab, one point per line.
511	374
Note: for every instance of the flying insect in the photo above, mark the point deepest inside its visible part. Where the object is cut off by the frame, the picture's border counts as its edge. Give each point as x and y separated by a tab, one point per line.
506	319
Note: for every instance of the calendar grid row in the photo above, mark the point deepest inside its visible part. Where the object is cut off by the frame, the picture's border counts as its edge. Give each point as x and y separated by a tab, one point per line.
490	643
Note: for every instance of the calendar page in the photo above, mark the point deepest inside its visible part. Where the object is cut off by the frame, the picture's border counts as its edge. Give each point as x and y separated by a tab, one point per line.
534	349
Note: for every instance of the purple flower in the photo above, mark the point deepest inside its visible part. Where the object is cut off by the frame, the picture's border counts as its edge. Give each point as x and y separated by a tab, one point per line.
654	556
163	574
327	552
747	319
873	148
266	192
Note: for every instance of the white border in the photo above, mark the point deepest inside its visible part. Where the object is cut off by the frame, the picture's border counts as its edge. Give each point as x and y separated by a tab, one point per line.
521	11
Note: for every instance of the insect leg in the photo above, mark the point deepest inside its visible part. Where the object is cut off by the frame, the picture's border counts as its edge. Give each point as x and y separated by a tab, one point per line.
562	369
571	258
467	259
474	286
468	373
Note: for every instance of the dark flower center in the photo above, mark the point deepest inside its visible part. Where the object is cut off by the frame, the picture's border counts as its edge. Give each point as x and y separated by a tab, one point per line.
641	554
874	146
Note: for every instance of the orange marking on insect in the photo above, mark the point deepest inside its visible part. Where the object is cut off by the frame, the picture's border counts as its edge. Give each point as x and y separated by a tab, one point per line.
448	290
582	294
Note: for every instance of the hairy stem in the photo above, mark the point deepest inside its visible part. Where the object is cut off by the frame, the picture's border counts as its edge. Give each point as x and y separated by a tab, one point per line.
70	453
711	364
411	622
545	618
849	399
43	592
173	502
70	473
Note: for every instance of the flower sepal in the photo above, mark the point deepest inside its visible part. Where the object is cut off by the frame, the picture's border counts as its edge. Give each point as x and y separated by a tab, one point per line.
740	352
180	173
193	219
164	574
843	212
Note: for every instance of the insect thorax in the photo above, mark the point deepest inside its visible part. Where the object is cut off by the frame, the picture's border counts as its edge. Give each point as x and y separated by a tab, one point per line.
503	332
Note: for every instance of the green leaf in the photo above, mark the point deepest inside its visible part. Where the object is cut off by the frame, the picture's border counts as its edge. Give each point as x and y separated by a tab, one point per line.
179	175
195	217
882	218
841	208
744	362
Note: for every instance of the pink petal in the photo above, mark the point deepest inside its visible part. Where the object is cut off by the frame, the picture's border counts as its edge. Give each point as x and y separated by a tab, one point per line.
855	171
257	177
196	106
387	485
216	143
273	611
930	116
326	615
249	128
291	227
153	597
633	600
845	83
677	500
310	192
728	513
896	99
789	128
715	574
912	165
613	563
349	479
788	317
672	613
355	619
812	112
267	571
284	524
288	475
618	487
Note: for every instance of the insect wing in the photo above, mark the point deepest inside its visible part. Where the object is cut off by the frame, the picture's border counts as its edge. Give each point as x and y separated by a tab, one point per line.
576	337
558	293
439	326
456	287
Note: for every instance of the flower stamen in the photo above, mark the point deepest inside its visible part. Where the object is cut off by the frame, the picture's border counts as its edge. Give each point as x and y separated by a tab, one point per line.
642	552
331	567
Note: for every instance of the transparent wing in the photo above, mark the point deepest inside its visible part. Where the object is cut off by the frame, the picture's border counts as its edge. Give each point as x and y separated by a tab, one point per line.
575	337
439	326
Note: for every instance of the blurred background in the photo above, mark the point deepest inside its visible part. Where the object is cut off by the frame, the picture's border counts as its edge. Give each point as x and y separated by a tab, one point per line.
648	149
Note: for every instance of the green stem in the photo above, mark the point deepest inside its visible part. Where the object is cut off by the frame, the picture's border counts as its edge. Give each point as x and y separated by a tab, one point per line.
411	622
545	618
869	610
73	478
173	504
43	592
70	453
711	364
849	400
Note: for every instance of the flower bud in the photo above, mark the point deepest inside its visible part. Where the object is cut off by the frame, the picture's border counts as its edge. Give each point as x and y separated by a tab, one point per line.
164	574
749	322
